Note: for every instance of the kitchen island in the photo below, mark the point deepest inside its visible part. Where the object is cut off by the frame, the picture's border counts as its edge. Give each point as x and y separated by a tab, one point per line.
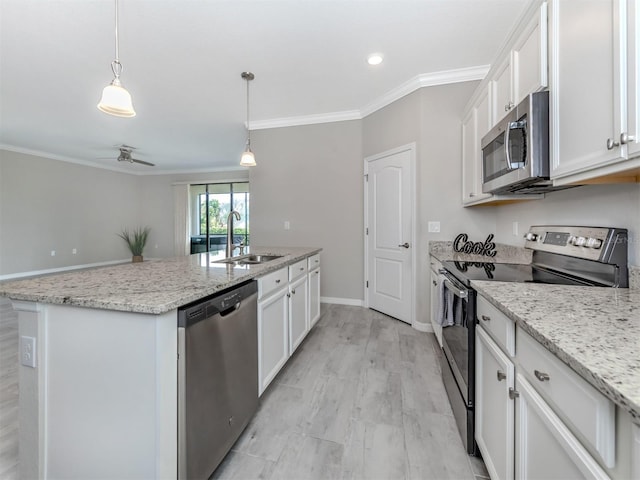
101	399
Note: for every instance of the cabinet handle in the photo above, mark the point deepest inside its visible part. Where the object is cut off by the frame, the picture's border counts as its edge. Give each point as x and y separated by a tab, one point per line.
472	194
435	284
301	268
543	377
611	144
501	376
278	281
486	318
509	106
293	291
513	393
626	138
404	245
289	295
317	272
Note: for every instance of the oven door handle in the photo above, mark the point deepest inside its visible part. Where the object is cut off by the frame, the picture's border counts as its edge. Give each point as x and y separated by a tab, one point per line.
457	291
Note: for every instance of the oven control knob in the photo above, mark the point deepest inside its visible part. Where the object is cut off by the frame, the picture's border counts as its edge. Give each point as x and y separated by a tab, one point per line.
580	241
531	237
594	243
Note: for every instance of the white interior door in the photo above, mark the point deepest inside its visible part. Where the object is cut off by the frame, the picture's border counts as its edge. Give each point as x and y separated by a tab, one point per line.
389	222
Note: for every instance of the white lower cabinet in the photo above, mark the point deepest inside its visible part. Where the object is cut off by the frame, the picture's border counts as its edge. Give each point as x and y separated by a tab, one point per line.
273	335
494	408
288	306
314	297
545	447
298	312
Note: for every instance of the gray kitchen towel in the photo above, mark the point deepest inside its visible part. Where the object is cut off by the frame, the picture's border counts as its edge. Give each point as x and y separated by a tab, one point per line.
447	305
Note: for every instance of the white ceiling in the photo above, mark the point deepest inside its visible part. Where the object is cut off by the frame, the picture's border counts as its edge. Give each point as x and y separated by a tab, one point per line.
183	58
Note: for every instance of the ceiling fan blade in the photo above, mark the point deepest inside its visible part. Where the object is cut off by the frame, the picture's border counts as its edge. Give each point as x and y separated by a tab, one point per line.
143	162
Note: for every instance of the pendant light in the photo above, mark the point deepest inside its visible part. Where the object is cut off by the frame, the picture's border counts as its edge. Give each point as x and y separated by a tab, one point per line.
248	159
115	98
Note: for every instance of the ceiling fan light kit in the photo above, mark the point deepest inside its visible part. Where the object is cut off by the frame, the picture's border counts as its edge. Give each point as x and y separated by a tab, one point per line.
248	159
116	100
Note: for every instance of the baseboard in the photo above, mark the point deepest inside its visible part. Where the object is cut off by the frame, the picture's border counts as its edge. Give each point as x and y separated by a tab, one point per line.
19	275
422	327
343	301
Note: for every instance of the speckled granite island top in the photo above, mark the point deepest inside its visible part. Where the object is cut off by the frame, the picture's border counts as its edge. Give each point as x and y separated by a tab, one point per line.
596	331
153	286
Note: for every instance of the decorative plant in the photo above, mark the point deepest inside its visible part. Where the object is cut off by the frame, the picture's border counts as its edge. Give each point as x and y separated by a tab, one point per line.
136	240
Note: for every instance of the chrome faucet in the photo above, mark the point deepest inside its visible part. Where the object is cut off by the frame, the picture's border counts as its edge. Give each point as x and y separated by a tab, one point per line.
230	246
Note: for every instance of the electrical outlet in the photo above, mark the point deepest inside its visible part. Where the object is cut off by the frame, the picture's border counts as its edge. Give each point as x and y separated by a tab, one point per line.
53	253
287	225
514	229
28	351
434	227
74	251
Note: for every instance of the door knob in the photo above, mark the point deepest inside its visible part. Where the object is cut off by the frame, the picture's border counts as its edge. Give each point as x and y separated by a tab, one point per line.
501	376
611	144
404	245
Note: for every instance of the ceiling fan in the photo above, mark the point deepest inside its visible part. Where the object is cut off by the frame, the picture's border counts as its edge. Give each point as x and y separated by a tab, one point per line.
125	155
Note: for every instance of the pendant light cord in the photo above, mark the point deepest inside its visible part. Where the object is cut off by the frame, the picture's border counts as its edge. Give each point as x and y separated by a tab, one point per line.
248	129
116	66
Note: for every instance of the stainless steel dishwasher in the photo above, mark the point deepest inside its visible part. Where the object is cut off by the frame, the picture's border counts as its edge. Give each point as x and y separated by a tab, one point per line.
217	377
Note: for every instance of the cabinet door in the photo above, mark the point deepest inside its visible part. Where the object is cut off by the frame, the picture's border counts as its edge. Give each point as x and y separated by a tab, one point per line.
298	312
529	57
501	90
474	126
494	409
435	306
586	109
545	448
273	344
314	297
633	77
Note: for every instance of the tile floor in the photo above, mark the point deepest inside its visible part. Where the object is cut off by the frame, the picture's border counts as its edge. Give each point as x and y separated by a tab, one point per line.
362	398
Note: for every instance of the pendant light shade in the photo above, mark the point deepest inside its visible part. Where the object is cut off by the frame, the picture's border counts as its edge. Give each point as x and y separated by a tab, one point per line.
116	100
248	159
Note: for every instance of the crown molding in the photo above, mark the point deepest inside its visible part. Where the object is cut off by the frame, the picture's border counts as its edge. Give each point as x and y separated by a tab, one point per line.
86	163
306	120
419	81
433	79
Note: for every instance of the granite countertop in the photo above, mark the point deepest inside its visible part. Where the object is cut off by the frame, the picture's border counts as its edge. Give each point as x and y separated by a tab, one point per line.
594	330
153	286
443	250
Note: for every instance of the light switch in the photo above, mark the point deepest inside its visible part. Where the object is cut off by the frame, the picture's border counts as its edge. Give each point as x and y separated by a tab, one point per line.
287	225
434	227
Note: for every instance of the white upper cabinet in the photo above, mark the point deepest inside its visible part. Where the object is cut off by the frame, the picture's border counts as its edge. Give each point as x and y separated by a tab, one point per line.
594	85
523	69
520	68
474	126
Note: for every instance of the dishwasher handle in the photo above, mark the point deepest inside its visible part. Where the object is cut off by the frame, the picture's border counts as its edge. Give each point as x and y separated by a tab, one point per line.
230	310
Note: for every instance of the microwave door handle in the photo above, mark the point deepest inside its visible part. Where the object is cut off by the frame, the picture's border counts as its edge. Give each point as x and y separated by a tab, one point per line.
507	153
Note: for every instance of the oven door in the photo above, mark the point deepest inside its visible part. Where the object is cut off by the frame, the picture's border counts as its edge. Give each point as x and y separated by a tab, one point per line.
458	340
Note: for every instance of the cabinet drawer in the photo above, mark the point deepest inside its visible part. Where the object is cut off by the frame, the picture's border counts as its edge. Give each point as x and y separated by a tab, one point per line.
297	269
272	282
587	410
313	261
498	325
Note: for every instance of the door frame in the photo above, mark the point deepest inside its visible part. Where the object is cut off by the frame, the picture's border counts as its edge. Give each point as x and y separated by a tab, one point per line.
411	147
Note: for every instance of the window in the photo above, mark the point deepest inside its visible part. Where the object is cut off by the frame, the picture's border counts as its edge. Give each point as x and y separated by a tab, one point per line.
213	203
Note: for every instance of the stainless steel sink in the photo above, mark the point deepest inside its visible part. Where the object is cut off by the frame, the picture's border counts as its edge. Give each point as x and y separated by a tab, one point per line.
249	259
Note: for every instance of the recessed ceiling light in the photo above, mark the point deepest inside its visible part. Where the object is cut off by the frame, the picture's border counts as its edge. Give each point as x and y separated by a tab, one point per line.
375	59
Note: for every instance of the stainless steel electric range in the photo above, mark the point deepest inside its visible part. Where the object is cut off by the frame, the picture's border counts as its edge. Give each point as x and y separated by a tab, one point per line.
566	255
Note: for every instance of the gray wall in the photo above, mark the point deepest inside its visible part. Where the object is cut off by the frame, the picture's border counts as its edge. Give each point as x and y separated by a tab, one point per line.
593	205
311	176
51	205
431	117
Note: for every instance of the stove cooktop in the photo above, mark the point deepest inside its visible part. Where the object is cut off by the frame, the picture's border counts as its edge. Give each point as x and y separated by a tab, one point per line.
506	272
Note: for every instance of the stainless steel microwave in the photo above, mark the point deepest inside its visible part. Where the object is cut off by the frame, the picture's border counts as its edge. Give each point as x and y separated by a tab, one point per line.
515	153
